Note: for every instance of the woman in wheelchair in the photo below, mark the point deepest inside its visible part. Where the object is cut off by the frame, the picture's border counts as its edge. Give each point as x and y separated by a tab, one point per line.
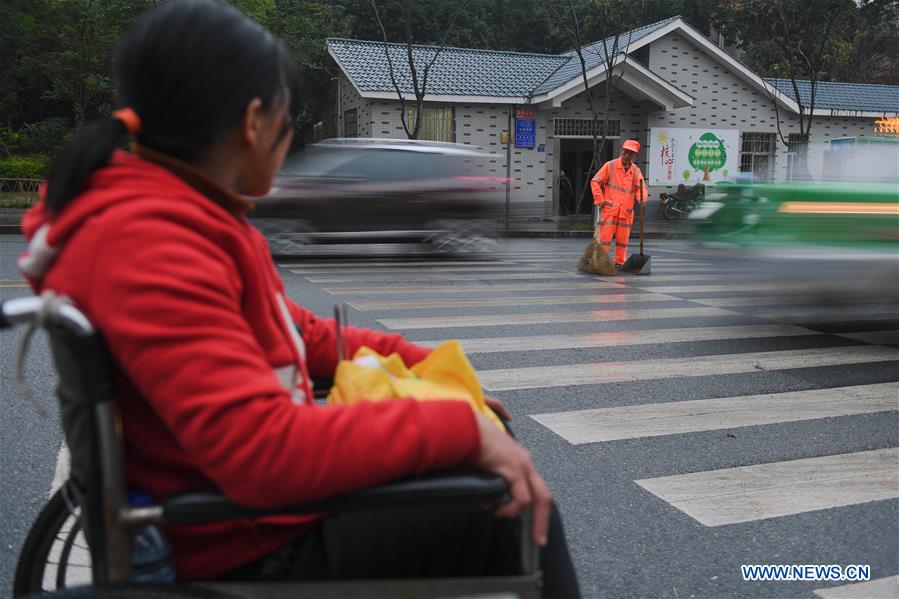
212	362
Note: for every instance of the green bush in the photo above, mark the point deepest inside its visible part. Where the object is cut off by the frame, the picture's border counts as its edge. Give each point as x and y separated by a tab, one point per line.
9	141
24	167
18	200
45	137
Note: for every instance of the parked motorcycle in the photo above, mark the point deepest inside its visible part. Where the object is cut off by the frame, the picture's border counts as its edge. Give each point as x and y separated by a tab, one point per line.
682	202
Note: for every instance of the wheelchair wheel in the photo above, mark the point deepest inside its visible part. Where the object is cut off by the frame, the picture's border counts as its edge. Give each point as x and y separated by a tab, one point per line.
55	554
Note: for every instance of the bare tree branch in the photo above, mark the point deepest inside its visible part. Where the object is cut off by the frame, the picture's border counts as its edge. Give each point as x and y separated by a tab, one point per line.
390	69
610	58
419	91
803	59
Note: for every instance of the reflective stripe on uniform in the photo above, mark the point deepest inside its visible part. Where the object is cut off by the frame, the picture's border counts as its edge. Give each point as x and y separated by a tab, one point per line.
622	189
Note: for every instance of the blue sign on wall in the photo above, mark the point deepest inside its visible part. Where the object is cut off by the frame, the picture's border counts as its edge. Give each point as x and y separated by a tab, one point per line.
525	133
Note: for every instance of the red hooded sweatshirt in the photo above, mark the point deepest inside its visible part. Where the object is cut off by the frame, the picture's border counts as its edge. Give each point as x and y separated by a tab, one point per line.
212	375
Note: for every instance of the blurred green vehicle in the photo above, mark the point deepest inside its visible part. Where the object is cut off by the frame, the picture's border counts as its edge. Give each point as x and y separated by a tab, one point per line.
840	238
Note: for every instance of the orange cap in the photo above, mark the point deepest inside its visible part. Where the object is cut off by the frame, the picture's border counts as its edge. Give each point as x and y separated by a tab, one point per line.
632	144
129	118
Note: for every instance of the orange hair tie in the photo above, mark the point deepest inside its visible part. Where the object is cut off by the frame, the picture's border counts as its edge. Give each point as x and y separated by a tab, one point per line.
129	118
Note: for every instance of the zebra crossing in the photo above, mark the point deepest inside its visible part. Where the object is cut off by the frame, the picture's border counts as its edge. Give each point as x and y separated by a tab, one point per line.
779	489
514	310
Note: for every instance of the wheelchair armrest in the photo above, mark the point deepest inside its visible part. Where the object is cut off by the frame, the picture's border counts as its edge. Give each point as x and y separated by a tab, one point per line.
448	487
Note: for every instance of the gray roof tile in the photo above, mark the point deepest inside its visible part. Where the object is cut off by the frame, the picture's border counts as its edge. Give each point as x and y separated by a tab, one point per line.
595	55
471	72
457	71
843	96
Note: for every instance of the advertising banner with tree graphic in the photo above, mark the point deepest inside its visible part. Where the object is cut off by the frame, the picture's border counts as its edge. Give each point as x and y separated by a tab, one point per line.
691	156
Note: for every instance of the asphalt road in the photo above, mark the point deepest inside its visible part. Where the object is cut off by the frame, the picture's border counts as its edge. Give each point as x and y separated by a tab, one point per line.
789	439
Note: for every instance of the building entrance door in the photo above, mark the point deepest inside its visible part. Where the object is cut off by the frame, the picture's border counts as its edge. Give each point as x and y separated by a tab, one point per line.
574	161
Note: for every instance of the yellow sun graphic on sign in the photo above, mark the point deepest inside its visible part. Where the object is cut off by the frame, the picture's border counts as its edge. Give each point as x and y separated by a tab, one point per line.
662	137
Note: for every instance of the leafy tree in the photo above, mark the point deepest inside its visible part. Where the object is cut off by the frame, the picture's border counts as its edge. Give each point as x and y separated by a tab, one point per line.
303	25
870	54
56	55
800	41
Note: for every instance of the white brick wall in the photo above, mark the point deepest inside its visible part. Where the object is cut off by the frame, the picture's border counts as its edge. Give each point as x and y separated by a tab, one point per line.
722	100
350	99
726	101
631	114
481	125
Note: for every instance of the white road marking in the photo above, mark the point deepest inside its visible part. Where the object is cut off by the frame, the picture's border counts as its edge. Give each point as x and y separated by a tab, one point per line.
843	313
693	252
655	259
474	320
362	264
749	493
351	273
548	253
481	345
727	302
415	277
687	276
63	466
704	288
876	337
670	418
598	284
538	300
78	571
614	372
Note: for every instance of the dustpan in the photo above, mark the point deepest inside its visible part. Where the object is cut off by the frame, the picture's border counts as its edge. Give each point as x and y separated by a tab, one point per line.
638	264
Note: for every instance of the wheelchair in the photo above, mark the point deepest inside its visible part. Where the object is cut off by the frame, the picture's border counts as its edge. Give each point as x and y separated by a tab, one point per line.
79	545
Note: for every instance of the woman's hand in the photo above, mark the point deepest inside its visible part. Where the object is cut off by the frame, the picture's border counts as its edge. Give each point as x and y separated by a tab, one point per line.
502	455
498	407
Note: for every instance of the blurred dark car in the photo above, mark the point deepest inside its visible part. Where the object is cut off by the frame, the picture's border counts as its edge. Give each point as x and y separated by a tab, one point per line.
382	191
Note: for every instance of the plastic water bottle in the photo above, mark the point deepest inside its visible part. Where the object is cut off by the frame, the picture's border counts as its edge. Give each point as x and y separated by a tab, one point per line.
151	554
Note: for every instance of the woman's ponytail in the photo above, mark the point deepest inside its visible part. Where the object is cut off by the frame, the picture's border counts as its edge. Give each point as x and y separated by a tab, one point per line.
89	150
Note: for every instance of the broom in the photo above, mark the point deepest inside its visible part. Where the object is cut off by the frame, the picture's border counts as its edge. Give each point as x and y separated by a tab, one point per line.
595	260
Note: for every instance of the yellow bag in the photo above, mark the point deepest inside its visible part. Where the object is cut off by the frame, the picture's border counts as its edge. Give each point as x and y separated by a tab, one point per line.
445	374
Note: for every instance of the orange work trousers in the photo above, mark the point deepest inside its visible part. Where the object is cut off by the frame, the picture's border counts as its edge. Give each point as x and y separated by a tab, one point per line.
615	223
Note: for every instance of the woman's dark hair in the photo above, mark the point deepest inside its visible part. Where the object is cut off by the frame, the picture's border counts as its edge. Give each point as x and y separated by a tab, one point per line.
188	68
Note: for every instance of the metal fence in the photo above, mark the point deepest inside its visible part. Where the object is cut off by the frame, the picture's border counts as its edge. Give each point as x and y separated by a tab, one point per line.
19	185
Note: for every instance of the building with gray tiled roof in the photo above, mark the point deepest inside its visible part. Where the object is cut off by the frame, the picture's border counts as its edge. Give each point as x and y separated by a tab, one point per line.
675	83
596	54
836	95
457	71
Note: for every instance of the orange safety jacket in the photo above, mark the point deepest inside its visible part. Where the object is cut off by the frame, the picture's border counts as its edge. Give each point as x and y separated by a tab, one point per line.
613	186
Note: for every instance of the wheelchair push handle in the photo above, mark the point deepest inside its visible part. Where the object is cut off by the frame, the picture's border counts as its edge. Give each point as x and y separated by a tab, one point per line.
42	310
